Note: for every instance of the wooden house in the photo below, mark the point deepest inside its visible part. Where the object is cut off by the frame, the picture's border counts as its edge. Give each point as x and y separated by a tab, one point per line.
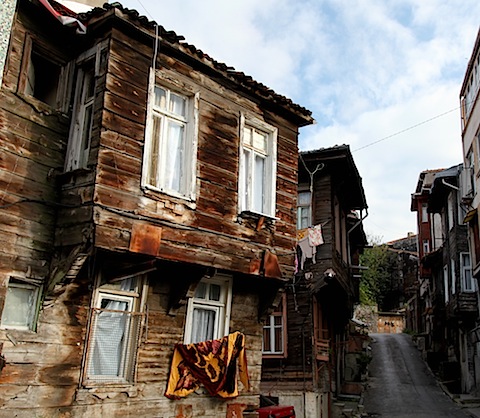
305	367
148	199
451	343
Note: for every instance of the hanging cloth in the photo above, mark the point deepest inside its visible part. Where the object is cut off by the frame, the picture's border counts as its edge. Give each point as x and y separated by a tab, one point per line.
315	236
211	363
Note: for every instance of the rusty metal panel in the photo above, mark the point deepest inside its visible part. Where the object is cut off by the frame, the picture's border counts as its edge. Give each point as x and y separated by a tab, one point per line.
145	239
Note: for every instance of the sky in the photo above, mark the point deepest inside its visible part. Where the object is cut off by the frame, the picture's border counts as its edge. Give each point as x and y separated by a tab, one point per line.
382	76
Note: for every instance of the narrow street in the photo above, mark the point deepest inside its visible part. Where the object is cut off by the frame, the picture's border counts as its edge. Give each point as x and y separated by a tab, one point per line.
401	385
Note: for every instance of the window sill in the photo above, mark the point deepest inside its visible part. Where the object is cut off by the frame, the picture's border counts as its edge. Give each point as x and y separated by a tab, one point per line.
247	214
272	356
163	195
66	176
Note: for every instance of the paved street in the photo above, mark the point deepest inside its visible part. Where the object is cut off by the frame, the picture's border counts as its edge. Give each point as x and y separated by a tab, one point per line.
401	385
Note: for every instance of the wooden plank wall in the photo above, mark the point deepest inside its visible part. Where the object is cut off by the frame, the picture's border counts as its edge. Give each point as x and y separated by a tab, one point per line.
211	233
44	367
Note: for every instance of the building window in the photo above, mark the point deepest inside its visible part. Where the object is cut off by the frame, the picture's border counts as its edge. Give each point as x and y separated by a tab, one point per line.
258	160
114	331
426	246
41	73
466	272
21	305
88	67
274	332
304	210
424	212
208	311
171	142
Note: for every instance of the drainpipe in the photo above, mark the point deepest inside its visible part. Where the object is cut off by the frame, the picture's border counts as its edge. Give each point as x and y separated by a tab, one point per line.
450	185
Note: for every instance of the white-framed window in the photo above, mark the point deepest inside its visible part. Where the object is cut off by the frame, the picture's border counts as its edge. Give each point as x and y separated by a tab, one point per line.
208	311
21	305
468	284
170	156
115	323
258	167
426	246
88	67
304	209
446	287
274	332
424	212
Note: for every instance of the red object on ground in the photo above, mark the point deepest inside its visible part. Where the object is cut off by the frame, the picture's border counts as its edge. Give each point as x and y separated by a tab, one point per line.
277	411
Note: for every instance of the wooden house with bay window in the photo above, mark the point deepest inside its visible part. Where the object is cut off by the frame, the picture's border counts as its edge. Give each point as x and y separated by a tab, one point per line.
306	340
148	198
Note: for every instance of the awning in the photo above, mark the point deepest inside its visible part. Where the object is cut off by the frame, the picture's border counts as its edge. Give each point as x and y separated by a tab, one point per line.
469	216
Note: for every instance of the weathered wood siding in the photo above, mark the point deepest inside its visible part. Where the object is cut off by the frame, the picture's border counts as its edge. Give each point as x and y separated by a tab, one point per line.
33	140
96	209
210	231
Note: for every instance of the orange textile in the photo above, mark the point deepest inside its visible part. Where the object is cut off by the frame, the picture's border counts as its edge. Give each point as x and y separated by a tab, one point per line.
212	364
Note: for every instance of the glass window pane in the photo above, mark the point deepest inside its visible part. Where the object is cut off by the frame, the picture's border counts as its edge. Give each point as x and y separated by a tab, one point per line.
266	339
203	326
277	320
304	198
278	340
19	306
110	335
160	97
154	160
247	135
177	104
175	152
260	141
215	290
201	291
258	184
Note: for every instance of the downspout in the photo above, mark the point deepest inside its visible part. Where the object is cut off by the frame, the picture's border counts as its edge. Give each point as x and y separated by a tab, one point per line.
450	185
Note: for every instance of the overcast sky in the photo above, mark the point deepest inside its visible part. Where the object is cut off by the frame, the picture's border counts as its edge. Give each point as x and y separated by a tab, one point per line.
382	76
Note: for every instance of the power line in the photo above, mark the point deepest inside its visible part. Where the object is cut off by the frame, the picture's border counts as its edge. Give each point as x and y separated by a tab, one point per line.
407	129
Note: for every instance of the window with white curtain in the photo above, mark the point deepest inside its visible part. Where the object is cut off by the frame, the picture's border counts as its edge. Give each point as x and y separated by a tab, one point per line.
114	332
258	171
208	311
21	305
170	145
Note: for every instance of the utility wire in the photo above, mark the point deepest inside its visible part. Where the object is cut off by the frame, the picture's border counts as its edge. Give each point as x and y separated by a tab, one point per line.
406	129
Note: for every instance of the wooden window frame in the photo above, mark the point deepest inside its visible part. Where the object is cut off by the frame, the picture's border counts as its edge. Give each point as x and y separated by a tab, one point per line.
30	323
187	188
222	307
304	206
34	45
136	300
270	326
246	175
80	135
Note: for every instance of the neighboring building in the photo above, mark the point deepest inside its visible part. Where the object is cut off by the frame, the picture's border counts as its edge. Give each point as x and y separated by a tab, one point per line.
306	366
470	123
450	292
148	198
429	239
